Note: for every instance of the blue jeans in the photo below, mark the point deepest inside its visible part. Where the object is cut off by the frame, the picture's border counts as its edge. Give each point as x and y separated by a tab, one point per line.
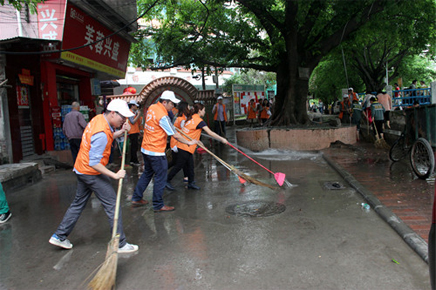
102	188
157	166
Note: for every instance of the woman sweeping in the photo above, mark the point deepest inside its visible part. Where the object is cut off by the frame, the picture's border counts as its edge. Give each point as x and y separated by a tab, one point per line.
183	108
192	127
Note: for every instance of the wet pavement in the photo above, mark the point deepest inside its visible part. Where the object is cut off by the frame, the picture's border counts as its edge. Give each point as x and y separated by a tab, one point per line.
312	237
393	183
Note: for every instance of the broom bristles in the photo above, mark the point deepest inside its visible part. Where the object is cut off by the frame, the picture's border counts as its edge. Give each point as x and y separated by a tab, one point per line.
105	277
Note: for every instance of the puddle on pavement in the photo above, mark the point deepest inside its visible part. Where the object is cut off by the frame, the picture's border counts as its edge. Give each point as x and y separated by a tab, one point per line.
256	208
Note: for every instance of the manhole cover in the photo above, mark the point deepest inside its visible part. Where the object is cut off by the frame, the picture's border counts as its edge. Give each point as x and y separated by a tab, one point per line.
256	208
333	185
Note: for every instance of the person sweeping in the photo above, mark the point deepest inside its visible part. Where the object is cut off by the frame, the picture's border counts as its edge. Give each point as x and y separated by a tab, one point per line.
93	176
192	127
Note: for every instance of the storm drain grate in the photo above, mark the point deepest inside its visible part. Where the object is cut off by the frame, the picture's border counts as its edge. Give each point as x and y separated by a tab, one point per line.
333	185
256	208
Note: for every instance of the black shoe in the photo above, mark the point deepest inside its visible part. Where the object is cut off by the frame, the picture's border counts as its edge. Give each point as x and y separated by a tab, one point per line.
4	217
169	186
192	185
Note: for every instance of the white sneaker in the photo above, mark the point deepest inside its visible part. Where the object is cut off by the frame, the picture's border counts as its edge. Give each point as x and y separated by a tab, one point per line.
54	240
128	248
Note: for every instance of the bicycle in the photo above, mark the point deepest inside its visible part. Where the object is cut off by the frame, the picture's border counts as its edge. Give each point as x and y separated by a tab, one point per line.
421	155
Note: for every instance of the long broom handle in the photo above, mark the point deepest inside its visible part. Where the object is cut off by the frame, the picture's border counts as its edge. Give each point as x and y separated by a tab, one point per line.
207	150
250	158
120	186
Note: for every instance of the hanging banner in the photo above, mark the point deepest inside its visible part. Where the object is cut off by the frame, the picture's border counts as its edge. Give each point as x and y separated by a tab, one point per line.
22	96
51	16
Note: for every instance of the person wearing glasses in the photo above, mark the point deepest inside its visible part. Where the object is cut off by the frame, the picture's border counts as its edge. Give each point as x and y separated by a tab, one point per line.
93	176
156	129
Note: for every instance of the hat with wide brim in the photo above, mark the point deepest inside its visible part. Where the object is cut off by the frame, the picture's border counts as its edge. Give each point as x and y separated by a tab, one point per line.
121	107
169	96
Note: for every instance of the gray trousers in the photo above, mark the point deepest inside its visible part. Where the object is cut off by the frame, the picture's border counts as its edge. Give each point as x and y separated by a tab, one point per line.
102	188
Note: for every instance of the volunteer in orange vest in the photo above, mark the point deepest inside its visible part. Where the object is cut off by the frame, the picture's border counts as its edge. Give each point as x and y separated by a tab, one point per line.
352	95
192	127
220	117
183	110
93	176
134	123
156	129
265	114
251	116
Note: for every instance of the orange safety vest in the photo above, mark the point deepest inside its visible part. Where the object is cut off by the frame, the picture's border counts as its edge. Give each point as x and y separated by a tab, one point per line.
264	113
96	125
177	124
251	111
215	117
341	114
155	138
191	130
134	128
355	96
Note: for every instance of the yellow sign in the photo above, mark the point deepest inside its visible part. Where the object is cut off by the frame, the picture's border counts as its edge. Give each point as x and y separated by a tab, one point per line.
69	56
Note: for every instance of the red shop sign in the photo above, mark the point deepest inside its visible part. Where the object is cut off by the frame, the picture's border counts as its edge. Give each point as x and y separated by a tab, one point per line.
109	55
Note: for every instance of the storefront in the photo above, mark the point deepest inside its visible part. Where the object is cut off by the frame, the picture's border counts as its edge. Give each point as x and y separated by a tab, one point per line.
73	54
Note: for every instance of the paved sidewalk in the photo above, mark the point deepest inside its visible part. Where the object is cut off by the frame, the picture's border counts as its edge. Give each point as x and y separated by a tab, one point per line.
391	188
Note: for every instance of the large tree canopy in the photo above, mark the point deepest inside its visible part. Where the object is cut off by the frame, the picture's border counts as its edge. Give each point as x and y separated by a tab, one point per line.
287	37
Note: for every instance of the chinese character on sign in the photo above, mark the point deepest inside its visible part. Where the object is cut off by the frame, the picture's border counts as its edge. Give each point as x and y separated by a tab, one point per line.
47	17
107	47
115	51
89	37
99	45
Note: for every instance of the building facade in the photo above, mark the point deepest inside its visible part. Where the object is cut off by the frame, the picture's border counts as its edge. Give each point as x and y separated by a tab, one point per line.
49	60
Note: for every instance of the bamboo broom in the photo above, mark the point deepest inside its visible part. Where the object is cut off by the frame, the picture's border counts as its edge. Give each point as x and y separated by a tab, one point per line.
230	167
105	277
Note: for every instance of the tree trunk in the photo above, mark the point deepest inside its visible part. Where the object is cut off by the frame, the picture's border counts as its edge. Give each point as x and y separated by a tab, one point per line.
290	107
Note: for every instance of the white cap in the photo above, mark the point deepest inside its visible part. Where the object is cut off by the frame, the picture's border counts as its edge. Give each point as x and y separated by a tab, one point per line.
121	107
345	96
133	102
170	96
350	89
220	98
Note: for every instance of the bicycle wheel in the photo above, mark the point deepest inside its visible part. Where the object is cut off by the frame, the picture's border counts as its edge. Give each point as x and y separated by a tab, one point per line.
422	158
398	150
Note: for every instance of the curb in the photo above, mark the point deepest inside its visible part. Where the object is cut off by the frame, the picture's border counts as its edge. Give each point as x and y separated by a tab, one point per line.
417	243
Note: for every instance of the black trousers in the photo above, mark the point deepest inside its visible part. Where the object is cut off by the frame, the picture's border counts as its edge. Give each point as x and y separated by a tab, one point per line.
185	160
134	147
220	128
75	147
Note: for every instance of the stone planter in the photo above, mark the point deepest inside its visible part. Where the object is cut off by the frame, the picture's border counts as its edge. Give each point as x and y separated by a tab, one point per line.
294	139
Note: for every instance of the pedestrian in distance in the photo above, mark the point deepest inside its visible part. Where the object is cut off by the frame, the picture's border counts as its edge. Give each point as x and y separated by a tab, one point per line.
386	101
156	129
356	116
74	124
345	106
266	113
352	95
5	213
192	127
134	123
377	113
93	176
220	117
251	116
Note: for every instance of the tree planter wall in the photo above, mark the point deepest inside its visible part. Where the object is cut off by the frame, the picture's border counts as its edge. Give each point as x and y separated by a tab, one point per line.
294	139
